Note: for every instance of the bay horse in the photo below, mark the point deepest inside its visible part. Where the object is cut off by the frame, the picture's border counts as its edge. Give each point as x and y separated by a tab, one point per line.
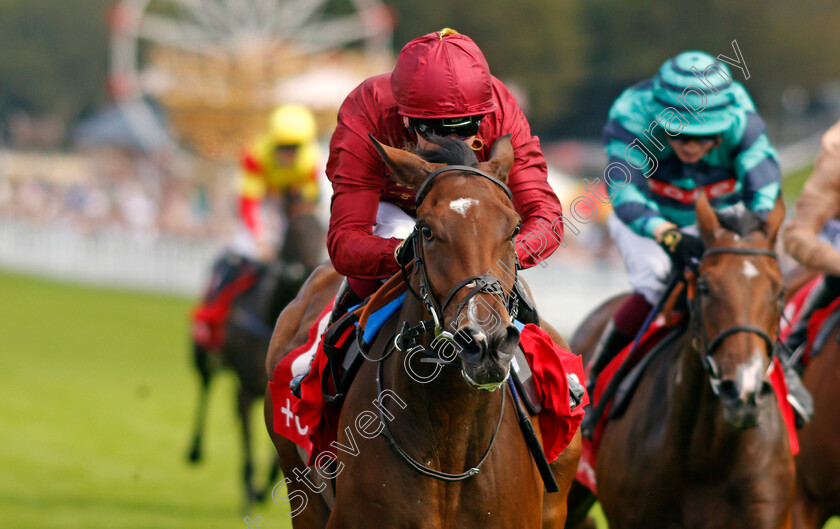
248	330
818	463
702	444
451	455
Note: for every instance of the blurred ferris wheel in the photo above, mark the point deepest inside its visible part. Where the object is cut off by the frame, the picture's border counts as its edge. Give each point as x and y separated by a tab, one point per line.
217	67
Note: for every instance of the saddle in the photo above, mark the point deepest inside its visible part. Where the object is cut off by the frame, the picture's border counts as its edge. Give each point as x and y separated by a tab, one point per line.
232	276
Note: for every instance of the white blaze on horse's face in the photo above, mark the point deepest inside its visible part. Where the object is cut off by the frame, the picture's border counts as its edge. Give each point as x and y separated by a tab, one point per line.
750	271
751	373
462	205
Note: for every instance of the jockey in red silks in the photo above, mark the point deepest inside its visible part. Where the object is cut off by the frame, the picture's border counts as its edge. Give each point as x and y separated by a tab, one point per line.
440	85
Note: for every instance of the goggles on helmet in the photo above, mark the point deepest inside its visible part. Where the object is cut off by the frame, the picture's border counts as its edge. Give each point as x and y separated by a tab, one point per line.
702	139
463	127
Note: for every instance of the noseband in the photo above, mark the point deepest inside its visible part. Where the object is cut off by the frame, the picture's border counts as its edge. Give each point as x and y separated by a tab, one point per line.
484	283
709	345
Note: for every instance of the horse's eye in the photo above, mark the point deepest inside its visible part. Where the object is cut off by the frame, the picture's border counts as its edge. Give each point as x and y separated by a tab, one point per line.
427	233
515	231
702	287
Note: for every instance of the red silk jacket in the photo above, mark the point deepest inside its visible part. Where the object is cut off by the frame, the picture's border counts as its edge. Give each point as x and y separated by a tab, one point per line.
360	180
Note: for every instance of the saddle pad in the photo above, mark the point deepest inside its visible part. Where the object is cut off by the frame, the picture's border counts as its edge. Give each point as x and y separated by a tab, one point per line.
208	319
288	420
820	325
793	308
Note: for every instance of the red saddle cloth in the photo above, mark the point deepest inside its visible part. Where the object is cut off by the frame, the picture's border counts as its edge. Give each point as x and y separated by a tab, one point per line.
793	313
658	330
208	319
312	424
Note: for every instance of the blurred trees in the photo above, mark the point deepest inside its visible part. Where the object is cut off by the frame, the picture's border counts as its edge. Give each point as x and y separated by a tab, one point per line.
538	45
571	57
53	56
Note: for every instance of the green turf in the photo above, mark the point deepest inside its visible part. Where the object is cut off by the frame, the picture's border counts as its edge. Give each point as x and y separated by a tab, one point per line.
97	396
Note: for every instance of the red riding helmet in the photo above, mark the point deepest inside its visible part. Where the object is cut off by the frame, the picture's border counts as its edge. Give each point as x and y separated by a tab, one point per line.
442	75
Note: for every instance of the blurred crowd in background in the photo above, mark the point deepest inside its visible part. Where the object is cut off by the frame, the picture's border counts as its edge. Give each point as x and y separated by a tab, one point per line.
72	157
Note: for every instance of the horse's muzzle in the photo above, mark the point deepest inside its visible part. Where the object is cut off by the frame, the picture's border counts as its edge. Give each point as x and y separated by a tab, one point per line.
485	358
741	410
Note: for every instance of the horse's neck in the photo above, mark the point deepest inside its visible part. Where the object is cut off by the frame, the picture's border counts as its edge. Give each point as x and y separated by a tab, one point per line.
445	418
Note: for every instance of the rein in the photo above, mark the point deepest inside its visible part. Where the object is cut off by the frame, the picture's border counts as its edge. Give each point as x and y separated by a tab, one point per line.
709	345
416	465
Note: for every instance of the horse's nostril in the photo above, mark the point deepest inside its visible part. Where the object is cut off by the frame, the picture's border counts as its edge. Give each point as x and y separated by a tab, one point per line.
766	388
729	390
471	348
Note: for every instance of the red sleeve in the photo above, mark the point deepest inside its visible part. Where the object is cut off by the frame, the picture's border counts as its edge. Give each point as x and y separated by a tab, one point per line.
533	198
358	177
248	162
249	212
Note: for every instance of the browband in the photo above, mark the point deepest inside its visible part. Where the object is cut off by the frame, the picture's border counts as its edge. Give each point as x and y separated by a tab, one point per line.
421	192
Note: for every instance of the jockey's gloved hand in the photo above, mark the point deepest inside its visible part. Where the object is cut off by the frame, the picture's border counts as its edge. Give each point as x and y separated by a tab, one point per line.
681	247
404	252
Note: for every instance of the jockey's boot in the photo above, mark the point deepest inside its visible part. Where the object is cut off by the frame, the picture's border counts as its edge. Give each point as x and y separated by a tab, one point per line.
526	310
822	295
798	396
344	299
611	342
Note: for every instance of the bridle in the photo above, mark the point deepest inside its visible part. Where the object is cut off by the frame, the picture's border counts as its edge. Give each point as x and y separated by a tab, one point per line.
405	339
708	346
479	284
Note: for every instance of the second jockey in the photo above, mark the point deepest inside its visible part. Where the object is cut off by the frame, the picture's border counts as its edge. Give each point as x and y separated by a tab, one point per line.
812	237
282	164
721	150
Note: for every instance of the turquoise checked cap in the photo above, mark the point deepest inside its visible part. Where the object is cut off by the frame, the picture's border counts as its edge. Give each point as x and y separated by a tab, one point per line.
700	88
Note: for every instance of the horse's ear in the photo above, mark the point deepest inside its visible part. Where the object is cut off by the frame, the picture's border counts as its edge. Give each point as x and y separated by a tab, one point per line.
774	219
407	168
707	219
501	158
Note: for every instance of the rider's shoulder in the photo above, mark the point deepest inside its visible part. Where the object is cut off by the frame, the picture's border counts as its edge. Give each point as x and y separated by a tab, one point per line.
635	107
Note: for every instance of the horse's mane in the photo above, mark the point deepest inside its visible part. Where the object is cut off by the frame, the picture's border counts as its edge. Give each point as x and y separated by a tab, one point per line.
740	220
450	151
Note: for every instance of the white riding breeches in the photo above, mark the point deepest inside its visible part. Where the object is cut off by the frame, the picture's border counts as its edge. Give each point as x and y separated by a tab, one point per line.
646	262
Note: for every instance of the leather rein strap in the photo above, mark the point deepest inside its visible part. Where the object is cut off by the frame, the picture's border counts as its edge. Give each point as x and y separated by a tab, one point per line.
416	465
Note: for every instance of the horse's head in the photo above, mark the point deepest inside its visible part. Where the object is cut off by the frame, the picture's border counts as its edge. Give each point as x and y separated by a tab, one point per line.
737	305
464	249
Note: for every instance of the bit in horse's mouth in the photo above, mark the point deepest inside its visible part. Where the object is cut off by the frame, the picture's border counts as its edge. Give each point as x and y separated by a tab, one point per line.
488	386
